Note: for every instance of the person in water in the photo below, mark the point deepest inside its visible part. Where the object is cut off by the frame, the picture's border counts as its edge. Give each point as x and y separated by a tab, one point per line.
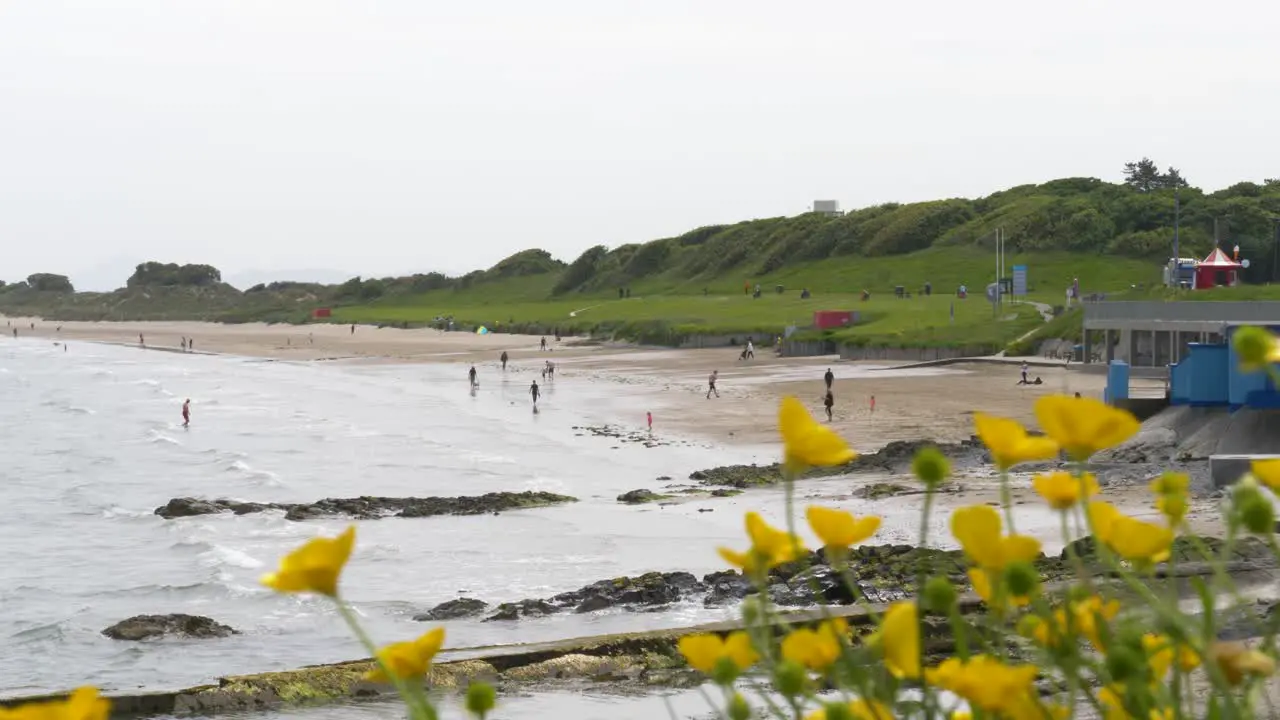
504	360
472	375
533	391
186	412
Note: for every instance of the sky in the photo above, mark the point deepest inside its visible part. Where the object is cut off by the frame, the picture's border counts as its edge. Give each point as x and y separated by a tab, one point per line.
385	137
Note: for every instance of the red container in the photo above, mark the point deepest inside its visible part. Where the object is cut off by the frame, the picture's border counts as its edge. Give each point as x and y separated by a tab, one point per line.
831	319
322	313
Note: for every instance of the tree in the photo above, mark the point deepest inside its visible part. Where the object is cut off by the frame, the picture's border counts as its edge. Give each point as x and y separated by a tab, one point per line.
170	274
48	282
1145	176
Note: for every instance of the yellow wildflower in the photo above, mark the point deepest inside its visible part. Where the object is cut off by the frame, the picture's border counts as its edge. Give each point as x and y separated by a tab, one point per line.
1083	426
1255	348
770	547
1267	472
985	682
1171	496
82	704
1087	615
807	442
1237	661
1134	540
1009	442
899	640
1112	701
839	529
704	651
816	649
859	709
978	528
1063	490
407	660
982	585
313	567
1161	654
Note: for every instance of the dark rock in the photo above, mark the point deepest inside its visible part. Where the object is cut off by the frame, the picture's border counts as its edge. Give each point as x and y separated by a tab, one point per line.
726	587
639	497
371	508
894	457
453	610
524	608
725	492
878	491
145	627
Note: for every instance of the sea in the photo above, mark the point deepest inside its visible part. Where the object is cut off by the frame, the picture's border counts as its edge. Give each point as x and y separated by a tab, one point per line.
93	443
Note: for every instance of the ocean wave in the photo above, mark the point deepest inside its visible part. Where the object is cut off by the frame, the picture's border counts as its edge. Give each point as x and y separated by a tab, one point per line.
221	556
155	436
115	511
248	470
40	632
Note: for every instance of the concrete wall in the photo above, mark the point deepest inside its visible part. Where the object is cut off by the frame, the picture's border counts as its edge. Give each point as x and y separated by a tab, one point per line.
1262	312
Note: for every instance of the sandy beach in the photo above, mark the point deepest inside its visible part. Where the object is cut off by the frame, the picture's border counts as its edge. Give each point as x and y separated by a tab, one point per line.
932	403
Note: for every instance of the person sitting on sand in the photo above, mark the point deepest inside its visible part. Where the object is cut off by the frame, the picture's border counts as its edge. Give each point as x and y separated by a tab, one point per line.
828	402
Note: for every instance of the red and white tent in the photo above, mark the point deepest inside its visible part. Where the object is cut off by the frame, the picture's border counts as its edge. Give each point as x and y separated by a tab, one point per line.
1215	270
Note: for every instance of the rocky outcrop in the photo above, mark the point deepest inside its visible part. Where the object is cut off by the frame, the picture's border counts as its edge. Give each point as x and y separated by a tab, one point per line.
640	497
146	627
453	610
370	508
892	458
651	590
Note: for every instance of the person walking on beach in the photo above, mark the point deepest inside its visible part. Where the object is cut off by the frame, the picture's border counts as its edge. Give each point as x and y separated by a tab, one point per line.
711	384
873	404
533	392
829	378
751	350
828	402
186	412
1025	367
649	417
353	328
184	343
141	340
472	375
544	344
504	360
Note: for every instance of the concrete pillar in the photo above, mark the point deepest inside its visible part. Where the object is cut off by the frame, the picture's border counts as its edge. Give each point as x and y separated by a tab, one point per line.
1130	340
1088	347
1109	346
1175	341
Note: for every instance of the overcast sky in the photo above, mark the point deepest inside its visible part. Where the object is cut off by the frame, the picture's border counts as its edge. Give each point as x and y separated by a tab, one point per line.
392	136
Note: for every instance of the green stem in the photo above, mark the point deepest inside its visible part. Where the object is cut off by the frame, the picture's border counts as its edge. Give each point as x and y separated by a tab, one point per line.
419	707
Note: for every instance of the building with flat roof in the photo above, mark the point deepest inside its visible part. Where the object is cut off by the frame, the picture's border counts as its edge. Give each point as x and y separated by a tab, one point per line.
1155	334
830	208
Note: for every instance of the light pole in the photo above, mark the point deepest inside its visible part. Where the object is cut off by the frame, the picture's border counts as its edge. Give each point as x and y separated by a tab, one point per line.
1177	213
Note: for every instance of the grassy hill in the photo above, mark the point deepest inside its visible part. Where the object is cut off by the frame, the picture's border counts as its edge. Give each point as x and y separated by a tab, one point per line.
1113	237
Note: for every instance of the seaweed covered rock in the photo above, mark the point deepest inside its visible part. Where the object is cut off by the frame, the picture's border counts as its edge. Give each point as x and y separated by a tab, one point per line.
453	610
369	507
146	627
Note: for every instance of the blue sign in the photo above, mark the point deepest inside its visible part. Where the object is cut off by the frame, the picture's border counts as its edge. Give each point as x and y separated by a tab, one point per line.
1019	279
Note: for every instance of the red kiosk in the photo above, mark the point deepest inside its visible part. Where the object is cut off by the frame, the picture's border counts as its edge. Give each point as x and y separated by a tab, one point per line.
1216	270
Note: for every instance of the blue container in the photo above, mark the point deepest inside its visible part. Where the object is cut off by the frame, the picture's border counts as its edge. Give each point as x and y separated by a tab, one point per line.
1117	382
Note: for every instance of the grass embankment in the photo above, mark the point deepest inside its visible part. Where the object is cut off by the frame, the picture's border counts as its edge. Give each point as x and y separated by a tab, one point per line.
665	308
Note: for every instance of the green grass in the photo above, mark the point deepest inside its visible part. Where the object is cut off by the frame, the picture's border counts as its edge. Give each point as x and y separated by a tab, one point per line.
664	309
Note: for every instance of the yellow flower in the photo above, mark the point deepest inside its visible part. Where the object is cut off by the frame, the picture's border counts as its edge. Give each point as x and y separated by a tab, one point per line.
978	528
981	581
1083	426
899	639
816	650
1267	472
859	709
82	704
1112	701
1161	654
314	567
985	682
705	650
1237	661
1256	348
1009	442
1171	496
408	660
808	442
1134	540
770	547
839	529
1062	490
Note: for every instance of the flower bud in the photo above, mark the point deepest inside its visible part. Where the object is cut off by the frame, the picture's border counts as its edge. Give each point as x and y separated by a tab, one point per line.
738	708
931	467
480	699
752	610
1254	347
939	595
1123	662
1021	578
1257	514
725	672
838	711
790	678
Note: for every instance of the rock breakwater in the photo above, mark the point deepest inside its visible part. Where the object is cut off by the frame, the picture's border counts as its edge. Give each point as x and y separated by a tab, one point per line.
368	507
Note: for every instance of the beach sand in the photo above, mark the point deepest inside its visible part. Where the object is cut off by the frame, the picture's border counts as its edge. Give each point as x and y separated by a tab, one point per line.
932	403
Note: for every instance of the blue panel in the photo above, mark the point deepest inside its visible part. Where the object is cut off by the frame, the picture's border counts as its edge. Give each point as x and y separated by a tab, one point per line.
1117	382
1209	385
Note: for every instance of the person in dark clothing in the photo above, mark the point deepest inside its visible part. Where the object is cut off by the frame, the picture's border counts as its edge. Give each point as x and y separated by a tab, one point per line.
472	375
828	402
504	360
533	391
829	378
